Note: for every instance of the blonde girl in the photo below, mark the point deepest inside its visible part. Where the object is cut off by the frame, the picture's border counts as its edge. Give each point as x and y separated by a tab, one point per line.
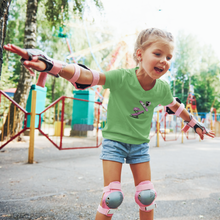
134	93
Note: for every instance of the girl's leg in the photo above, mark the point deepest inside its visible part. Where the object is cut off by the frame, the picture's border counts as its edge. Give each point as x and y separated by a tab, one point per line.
111	172
142	172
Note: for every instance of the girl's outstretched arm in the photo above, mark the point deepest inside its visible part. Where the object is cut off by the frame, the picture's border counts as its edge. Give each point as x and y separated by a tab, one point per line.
67	72
187	118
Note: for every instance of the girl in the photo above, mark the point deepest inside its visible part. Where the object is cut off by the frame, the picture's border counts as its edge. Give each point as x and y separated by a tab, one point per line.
134	93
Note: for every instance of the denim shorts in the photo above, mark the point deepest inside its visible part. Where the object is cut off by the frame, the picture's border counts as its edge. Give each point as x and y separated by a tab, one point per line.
122	152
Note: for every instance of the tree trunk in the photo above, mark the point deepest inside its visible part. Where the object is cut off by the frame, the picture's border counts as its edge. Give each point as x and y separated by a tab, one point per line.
24	84
53	88
4	6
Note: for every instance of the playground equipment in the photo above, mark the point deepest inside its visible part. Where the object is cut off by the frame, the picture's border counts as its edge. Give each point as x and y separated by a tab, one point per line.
40	103
83	113
191	104
45	120
120	52
54	114
214	123
168	126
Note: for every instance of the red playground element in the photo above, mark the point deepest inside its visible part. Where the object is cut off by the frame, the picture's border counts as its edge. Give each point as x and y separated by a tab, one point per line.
191	100
191	105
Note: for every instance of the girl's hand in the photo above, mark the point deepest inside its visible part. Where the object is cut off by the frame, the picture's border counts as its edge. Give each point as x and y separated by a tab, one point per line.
34	63
199	132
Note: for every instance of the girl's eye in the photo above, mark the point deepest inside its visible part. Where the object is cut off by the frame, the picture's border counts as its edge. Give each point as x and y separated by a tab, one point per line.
168	58
157	54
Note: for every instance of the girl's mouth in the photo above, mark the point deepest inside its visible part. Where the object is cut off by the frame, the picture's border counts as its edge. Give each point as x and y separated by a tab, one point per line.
158	70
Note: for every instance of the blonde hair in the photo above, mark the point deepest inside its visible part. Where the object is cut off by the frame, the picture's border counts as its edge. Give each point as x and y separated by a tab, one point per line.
149	36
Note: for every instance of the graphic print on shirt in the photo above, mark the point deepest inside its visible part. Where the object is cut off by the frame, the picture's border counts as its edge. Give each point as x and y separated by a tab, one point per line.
137	110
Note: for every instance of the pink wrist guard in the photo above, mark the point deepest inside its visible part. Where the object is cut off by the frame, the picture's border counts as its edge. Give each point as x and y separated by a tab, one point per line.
53	67
76	76
178	111
193	123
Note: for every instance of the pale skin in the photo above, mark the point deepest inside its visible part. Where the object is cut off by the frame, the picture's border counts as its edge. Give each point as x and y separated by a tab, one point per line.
154	62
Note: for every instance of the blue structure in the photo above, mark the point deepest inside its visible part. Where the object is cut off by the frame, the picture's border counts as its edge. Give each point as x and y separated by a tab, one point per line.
83	112
40	104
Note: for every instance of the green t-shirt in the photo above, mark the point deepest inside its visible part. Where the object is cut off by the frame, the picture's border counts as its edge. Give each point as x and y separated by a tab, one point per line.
130	107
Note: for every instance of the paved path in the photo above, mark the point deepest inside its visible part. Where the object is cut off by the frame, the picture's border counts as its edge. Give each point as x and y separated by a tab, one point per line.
67	185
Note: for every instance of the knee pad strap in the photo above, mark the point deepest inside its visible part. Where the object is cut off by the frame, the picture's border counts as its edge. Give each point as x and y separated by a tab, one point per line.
112	199
145	196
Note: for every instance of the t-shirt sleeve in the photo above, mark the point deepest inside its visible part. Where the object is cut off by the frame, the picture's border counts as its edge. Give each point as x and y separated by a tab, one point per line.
168	97
113	79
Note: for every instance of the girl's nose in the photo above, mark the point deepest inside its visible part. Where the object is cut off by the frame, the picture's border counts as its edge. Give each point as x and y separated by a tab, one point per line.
163	60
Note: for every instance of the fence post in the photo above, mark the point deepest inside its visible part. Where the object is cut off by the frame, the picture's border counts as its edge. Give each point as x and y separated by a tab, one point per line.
32	127
158	129
199	121
182	131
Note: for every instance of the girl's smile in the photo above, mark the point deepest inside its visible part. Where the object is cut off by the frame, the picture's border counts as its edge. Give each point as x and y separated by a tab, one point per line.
156	59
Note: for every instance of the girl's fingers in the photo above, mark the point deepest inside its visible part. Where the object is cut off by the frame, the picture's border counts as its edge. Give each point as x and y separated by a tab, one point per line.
199	132
19	51
211	134
35	64
201	136
8	48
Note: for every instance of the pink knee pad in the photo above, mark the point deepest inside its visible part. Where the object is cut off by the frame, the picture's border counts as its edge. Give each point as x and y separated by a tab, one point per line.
112	198
145	196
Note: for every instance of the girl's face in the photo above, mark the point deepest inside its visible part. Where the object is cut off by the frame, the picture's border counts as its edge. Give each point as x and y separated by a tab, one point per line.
156	59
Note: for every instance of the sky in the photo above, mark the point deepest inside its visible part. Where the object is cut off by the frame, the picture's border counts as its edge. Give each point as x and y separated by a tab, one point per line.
198	17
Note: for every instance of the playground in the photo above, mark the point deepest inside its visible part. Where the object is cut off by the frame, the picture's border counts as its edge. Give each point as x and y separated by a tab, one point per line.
51	131
67	184
55	171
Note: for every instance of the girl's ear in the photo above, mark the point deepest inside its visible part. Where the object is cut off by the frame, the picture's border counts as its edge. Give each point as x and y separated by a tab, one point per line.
139	54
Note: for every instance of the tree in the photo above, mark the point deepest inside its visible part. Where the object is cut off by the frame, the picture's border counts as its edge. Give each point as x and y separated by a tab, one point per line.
200	67
186	62
53	9
4	6
15	26
206	80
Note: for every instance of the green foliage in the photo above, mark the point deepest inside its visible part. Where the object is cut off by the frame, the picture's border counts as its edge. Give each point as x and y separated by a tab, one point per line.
197	66
58	11
49	40
207	80
14	35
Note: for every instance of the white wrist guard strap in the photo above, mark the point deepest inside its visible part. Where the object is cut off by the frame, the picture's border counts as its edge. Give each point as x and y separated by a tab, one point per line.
180	109
77	75
193	123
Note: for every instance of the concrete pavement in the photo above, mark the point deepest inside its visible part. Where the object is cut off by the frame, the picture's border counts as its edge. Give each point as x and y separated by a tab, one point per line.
67	185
